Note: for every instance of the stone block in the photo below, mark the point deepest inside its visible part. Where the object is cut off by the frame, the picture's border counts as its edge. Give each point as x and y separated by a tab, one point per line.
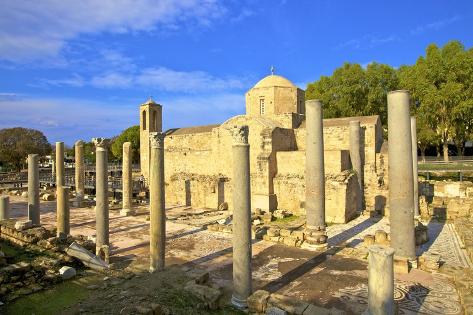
223	206
257	301
381	237
368	240
288	304
401	265
273	232
67	272
23	225
285	232
298	234
290	241
276	311
207	294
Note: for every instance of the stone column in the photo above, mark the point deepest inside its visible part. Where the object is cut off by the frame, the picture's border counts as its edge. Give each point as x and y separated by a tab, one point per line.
127	183
401	181
414	165
157	203
242	286
4	208
33	189
380	281
60	164
315	236
355	157
101	196
62	211
79	172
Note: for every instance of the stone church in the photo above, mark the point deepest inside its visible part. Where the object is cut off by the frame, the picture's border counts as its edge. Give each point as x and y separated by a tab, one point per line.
198	160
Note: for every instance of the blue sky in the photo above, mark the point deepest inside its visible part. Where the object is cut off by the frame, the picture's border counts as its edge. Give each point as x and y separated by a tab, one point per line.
80	69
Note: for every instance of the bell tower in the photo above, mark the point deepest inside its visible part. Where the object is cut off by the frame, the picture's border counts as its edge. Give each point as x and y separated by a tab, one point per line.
150	121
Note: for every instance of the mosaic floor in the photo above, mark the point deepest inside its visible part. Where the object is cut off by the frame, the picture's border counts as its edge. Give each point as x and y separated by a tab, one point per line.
439	297
443	239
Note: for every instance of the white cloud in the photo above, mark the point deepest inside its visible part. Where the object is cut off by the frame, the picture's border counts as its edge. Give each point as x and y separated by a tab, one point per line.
70	119
435	26
368	41
193	81
31	30
160	78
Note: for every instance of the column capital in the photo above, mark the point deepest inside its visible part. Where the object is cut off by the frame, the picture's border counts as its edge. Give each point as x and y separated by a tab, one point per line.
101	143
314	102
156	139
239	134
126	145
79	143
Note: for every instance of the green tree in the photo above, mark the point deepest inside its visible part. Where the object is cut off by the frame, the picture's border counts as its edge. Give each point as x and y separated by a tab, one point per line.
354	91
441	82
426	136
17	143
132	135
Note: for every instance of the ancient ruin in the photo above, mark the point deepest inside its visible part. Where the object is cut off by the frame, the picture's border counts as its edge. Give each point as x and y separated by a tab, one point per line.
277	211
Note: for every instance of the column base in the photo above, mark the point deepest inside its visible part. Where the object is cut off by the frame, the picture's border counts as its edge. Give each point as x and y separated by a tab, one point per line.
403	265
155	269
239	303
314	247
127	212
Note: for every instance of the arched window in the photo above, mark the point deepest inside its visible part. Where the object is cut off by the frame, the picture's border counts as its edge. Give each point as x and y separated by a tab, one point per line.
144	119
154	121
261	106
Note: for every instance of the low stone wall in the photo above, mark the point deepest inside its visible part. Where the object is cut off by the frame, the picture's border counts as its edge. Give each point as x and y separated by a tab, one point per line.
445	207
447	189
340	195
264	302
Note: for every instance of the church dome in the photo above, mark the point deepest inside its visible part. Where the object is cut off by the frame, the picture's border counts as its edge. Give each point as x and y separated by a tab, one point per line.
274	80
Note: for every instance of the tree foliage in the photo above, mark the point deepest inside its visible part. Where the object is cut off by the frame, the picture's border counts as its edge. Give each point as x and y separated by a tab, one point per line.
355	91
442	84
132	135
17	143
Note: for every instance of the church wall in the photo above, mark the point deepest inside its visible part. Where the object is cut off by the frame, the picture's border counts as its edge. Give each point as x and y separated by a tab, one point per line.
285	100
253	101
293	162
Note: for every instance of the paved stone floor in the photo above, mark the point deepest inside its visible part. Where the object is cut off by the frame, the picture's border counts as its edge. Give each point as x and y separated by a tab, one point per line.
443	239
320	278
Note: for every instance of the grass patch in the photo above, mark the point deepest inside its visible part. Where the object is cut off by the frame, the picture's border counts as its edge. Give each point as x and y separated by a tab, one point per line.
17	253
291	218
445	166
48	302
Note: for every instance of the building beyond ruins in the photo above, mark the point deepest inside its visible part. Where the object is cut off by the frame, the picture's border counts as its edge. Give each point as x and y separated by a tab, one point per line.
198	160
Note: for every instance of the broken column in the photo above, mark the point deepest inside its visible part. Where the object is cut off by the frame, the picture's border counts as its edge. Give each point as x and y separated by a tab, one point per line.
242	287
33	189
79	172
315	236
157	202
401	205
62	211
60	164
126	180
101	197
4	207
380	280
355	157
414	165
